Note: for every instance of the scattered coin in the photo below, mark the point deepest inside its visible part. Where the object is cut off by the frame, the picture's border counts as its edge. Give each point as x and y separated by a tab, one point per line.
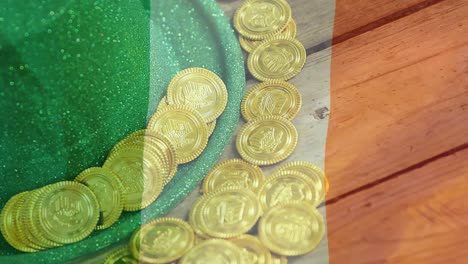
141	175
233	173
109	192
287	186
277	58
277	98
291	229
213	251
185	128
258	19
310	170
250	45
266	140
200	89
253	251
162	240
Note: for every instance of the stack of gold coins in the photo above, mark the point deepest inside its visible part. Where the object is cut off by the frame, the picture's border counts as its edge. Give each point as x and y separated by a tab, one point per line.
51	216
133	176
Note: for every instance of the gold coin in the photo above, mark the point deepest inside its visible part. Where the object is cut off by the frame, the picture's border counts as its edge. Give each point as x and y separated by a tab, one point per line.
287	186
253	251
277	58
157	143
109	192
195	220
276	98
258	19
233	173
199	89
64	212
185	128
291	229
141	175
9	223
162	240
276	259
228	212
211	127
162	145
121	255
266	140
250	45
162	104
213	251
311	171
32	240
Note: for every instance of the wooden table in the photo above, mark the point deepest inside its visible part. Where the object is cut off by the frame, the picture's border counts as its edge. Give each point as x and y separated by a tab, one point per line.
385	112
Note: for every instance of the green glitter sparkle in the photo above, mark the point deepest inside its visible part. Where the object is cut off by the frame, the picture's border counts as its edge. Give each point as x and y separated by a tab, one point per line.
78	76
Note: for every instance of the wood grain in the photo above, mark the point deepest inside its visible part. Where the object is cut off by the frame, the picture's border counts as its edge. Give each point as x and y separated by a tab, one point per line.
419	217
399	96
314	18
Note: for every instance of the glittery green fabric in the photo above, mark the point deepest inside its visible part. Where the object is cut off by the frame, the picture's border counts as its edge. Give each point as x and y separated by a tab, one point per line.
77	76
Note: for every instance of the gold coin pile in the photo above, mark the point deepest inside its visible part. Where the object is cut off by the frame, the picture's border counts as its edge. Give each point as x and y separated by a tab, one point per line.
132	177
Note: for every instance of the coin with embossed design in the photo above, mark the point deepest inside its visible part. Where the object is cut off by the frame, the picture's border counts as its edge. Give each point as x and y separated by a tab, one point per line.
257	19
9	221
253	251
121	255
233	173
184	127
140	172
228	212
277	58
287	186
109	192
23	212
195	220
162	240
266	140
213	251
250	45
275	98
159	144
291	229
63	212
199	89
310	170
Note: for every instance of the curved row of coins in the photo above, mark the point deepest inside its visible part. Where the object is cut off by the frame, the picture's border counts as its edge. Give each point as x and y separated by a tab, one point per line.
132	177
242	218
224	225
267	31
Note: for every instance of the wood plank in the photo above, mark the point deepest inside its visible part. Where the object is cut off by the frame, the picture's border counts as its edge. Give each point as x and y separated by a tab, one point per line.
399	96
315	18
418	217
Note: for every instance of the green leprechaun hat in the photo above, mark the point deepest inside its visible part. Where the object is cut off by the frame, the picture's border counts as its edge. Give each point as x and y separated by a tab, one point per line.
78	76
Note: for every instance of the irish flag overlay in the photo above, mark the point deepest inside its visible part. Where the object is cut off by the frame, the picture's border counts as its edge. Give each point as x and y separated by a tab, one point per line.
396	155
384	92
